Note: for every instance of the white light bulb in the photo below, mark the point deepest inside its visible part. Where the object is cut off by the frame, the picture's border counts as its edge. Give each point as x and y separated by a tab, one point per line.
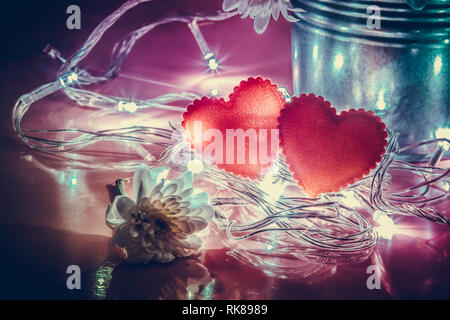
73	77
437	65
338	61
385	225
73	181
273	190
127	106
350	200
381	105
214	92
443	133
315	52
270	246
68	79
213	65
195	166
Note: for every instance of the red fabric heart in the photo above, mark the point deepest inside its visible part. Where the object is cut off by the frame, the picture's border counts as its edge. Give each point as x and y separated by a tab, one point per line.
254	104
325	151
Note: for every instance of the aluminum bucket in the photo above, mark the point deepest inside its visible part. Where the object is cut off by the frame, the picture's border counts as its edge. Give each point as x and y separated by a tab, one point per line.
396	65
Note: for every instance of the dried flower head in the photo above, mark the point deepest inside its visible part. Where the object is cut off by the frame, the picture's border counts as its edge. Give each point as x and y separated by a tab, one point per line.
161	224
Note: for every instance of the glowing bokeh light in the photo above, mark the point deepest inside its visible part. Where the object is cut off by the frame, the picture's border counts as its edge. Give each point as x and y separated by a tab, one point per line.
350	200
385	225
338	61
130	107
381	105
214	92
211	61
270	246
443	133
71	78
73	181
195	166
315	52
273	190
437	65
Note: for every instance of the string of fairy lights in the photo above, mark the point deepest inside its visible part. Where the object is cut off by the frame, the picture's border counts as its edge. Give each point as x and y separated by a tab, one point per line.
248	212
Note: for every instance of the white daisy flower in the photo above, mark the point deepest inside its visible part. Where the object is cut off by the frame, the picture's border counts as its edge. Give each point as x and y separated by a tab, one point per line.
161	224
261	10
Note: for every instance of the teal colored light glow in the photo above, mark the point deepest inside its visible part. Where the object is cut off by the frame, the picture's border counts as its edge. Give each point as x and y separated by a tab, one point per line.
381	105
338	61
437	66
315	52
213	64
73	181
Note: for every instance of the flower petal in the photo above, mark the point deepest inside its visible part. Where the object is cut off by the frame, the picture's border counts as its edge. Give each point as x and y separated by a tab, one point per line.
198	199
119	211
125	206
142	182
205	212
157	189
162	256
187	178
275	11
122	237
169	190
285	13
186	193
191	225
243	5
138	255
261	23
158	174
229	5
155	196
193	241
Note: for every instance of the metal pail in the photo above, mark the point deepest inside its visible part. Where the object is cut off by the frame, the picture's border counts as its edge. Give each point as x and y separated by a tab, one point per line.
382	56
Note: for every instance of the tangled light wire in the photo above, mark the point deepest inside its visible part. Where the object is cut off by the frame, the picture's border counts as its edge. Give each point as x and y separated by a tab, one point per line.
332	228
70	74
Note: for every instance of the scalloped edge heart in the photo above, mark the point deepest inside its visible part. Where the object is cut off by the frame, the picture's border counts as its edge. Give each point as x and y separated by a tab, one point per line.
226	103
372	165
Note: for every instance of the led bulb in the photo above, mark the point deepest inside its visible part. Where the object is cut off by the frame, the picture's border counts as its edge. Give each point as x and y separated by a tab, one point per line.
211	62
381	104
437	66
349	199
73	181
385	225
68	79
214	92
209	57
195	166
443	133
127	106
